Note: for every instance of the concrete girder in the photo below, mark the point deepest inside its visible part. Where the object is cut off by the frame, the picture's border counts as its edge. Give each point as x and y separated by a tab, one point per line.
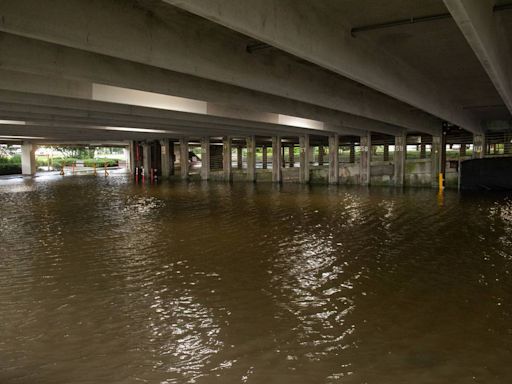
22	82
199	50
297	27
72	133
97	109
68	72
114	121
478	23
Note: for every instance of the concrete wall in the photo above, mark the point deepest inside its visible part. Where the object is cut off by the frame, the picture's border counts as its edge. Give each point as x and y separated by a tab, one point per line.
291	175
382	173
418	173
319	174
350	173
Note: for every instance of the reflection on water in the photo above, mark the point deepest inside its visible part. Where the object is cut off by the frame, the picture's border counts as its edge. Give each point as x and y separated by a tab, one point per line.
102	281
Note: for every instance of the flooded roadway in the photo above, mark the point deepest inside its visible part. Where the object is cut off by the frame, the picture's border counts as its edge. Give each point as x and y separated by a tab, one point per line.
102	281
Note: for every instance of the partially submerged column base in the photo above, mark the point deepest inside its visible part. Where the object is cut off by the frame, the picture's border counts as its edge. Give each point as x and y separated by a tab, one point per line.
304	159
334	168
365	161
276	159
399	159
28	159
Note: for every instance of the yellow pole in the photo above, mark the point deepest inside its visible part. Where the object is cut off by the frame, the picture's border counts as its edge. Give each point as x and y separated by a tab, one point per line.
106	172
94	167
441	182
62	165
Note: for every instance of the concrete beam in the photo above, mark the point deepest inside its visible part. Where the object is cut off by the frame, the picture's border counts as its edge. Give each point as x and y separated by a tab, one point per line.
217	57
480	26
298	27
60	71
27	103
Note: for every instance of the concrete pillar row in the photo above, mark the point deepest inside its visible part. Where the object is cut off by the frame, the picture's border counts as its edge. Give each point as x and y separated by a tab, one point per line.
334	172
365	163
304	159
436	159
165	152
184	164
276	159
28	159
399	159
226	161
205	158
478	146
251	158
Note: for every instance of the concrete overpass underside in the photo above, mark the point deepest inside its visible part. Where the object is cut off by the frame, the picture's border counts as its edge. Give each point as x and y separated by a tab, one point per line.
330	86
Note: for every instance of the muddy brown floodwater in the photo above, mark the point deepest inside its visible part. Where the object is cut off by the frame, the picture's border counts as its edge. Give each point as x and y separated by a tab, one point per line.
102	281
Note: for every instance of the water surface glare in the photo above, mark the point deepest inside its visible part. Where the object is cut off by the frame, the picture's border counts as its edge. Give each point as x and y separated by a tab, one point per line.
102	281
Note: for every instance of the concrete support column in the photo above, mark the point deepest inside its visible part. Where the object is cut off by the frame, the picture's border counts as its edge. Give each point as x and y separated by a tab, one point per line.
28	159
478	146
205	158
320	155
251	158
399	159
166	159
133	160
239	157
462	151
386	152
334	165
291	155
146	158
436	159
127	154
423	151
365	163
184	164
304	158
226	161
264	156
352	155
172	159
276	159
